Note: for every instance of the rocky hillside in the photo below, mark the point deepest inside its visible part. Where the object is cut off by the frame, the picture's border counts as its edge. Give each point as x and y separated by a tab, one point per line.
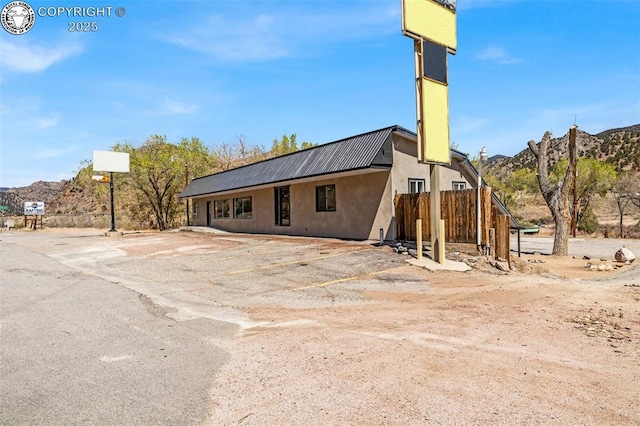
14	198
620	147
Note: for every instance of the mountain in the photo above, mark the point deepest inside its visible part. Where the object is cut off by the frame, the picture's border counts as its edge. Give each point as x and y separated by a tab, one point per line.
620	147
14	198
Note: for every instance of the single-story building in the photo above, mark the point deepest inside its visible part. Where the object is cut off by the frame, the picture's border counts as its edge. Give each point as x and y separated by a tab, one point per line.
343	189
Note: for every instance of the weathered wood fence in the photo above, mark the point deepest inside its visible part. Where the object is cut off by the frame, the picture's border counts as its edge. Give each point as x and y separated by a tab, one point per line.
458	208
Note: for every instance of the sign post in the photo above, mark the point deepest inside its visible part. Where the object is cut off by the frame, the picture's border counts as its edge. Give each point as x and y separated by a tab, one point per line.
35	209
432	26
2	210
109	161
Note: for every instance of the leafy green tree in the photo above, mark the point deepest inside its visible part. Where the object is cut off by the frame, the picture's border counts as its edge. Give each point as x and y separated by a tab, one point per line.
508	185
592	178
288	144
159	171
588	221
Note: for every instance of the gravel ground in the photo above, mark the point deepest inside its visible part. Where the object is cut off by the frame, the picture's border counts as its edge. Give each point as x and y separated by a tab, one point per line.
335	332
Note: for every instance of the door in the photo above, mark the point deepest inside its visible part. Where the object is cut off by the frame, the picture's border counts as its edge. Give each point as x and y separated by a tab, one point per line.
208	213
282	206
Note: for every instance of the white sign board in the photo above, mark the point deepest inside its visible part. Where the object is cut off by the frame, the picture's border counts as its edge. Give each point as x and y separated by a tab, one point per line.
34	208
110	161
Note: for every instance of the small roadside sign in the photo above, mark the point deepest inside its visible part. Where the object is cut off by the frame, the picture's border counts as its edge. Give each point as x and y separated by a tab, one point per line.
4	208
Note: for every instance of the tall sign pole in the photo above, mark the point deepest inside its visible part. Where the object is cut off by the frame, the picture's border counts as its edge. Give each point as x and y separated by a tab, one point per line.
113	214
432	26
109	161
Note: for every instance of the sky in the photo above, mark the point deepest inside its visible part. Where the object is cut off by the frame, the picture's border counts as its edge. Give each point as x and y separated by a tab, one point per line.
322	69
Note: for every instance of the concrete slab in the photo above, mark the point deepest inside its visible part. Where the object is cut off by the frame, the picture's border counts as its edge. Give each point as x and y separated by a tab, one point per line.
449	265
204	229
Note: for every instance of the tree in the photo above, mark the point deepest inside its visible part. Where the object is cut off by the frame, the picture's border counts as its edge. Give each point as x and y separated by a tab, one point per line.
588	221
626	190
507	185
592	178
557	195
238	154
287	144
159	171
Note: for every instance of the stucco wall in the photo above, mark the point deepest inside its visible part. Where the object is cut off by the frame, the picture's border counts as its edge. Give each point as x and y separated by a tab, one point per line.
364	200
362	208
406	166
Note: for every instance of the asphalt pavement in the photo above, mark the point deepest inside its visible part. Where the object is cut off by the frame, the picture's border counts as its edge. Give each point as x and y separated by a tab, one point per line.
78	349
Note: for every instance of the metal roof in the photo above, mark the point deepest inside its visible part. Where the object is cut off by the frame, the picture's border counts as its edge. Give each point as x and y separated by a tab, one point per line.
371	149
357	152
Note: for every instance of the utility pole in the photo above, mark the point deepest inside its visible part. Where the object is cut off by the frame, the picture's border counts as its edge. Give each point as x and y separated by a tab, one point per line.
574	219
186	183
113	214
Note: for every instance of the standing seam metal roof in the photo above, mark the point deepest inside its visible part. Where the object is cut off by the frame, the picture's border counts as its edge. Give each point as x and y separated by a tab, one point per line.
356	152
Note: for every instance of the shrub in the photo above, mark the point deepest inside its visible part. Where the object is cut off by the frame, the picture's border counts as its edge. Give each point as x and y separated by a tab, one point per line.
588	221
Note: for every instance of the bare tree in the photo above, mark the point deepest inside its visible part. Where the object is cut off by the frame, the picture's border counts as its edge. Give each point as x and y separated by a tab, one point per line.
557	196
625	191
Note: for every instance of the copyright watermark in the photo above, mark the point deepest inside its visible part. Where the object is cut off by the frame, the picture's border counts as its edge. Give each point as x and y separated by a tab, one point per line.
18	17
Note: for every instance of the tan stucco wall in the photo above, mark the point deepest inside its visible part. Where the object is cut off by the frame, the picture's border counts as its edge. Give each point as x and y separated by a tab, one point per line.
362	207
406	166
364	202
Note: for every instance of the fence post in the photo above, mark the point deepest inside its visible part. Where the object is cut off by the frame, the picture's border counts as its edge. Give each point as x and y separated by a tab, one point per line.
492	242
419	238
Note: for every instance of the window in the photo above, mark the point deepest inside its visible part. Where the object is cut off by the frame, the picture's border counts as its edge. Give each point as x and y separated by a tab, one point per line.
326	198
242	208
416	185
195	210
459	185
221	209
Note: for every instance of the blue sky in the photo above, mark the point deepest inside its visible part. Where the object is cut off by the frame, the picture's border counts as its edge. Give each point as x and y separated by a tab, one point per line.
323	69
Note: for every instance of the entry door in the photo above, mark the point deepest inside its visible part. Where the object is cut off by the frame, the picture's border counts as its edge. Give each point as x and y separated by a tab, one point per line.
283	206
208	213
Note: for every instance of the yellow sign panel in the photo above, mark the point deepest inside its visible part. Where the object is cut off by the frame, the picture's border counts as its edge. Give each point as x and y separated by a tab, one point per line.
434	128
432	20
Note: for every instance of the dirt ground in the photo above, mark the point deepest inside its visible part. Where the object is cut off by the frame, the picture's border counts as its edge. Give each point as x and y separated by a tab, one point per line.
477	348
345	333
555	343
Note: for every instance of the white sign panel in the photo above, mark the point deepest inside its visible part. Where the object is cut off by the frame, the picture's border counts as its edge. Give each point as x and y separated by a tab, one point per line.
34	208
110	161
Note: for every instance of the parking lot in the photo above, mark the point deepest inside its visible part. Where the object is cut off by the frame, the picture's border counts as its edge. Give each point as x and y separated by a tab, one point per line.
323	331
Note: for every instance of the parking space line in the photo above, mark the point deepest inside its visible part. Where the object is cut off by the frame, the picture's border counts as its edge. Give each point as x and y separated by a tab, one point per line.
293	262
341	280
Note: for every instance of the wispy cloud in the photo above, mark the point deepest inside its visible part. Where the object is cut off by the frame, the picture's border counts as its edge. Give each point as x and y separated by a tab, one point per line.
499	55
55	152
276	34
468	126
31	58
173	107
46	122
228	40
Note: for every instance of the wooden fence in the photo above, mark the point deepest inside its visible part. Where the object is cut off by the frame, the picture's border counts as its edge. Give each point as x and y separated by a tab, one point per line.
458	209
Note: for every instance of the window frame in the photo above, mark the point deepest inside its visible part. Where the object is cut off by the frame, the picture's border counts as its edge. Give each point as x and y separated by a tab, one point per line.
244	214
219	209
417	181
327	207
458	185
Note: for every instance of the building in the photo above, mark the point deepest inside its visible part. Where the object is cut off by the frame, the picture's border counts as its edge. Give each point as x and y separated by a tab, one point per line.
343	189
